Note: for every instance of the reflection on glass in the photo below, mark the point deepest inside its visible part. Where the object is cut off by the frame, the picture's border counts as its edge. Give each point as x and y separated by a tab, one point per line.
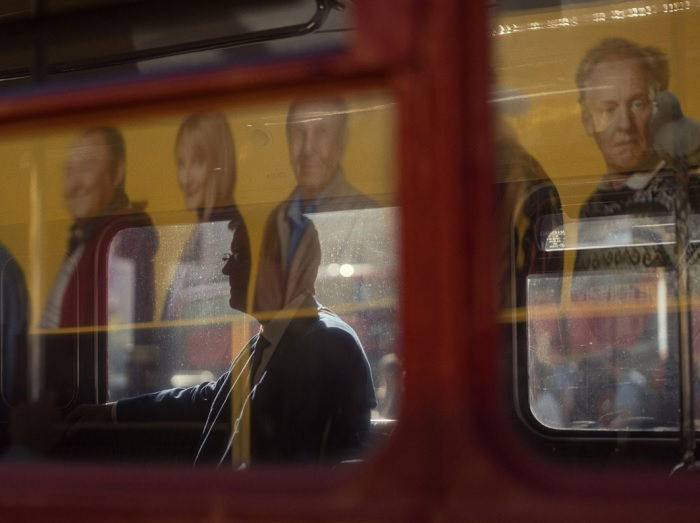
186	355
530	209
597	345
276	333
299	391
107	273
14	307
617	368
199	329
357	273
619	231
357	279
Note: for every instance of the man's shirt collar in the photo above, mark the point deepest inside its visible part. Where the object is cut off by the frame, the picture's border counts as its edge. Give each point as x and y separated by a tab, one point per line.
635	181
298	206
272	332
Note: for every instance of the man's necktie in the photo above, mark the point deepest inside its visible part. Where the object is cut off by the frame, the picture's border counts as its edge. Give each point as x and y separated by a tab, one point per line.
297	229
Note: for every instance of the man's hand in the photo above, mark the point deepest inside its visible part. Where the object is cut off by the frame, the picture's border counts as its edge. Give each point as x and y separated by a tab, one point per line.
90	414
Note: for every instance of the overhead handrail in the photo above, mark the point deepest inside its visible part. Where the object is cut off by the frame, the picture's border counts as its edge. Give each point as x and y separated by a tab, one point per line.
319	17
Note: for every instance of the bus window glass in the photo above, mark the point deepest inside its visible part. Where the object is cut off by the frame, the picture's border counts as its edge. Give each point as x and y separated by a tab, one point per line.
215	286
596	149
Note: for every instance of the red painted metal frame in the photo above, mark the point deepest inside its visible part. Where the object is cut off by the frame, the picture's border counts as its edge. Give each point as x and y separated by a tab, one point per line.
453	455
398	482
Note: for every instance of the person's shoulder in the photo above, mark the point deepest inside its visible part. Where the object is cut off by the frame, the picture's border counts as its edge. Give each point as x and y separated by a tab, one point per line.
132	217
346	197
129	232
607	199
5	256
225	213
278	210
329	326
328	319
332	344
10	270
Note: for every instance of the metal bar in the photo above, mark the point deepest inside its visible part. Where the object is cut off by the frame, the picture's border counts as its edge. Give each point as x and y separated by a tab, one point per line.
687	421
35	360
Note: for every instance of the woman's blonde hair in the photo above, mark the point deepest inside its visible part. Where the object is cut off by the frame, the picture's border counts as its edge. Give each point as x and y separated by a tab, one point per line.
214	131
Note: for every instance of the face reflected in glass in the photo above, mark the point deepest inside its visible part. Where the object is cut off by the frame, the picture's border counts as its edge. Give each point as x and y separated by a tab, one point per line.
316	139
194	171
89	183
617	110
237	268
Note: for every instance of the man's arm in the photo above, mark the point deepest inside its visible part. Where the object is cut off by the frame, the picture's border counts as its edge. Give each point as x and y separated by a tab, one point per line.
191	404
183	405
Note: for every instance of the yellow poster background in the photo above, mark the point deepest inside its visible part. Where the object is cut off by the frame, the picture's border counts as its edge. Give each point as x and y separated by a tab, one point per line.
34	223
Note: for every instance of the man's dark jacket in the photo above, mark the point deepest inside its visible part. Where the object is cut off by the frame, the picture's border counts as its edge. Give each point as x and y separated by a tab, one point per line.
312	402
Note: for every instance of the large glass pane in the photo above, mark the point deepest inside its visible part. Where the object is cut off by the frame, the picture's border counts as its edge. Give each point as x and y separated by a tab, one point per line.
597	179
215	287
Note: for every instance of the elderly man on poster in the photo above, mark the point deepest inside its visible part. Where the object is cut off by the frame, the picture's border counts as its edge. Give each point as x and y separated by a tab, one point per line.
625	258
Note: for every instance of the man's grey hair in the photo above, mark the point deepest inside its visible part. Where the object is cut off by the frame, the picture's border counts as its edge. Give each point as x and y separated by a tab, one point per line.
652	60
336	102
114	140
115	144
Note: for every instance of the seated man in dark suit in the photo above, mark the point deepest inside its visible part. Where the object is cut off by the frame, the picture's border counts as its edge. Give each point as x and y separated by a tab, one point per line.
14	304
303	380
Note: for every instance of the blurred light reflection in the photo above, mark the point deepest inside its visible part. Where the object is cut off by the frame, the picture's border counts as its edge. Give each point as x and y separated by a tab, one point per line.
347	270
597	17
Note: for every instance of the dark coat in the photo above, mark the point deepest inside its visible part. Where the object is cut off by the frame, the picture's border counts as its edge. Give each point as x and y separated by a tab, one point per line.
312	403
124	234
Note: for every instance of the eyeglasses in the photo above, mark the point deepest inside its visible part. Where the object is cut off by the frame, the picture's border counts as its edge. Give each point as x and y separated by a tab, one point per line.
230	255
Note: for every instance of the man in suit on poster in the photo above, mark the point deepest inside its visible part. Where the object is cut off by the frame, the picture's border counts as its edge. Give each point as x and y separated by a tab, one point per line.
317	134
